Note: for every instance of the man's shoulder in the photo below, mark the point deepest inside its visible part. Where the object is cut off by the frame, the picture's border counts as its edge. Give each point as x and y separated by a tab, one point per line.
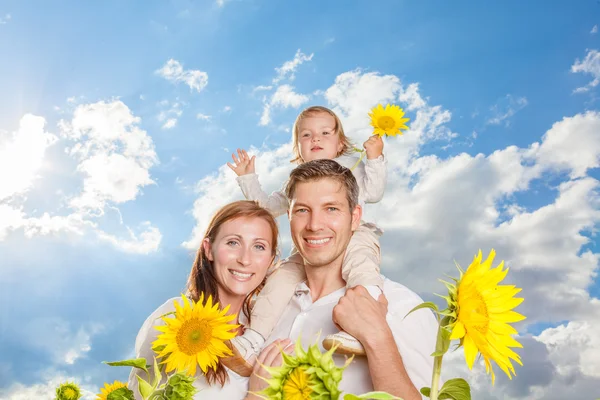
397	289
401	300
400	297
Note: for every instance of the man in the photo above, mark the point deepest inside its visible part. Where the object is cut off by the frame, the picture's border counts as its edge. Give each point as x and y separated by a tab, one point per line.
323	213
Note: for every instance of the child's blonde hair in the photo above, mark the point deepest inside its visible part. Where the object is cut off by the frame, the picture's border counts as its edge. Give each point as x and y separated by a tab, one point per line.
339	130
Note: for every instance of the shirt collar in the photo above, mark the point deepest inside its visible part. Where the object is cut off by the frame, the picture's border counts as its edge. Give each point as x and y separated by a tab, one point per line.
302	289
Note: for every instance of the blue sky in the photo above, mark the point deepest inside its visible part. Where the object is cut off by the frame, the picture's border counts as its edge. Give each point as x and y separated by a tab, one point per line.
117	118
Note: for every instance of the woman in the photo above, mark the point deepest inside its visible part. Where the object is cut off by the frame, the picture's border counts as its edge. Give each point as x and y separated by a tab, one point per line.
239	246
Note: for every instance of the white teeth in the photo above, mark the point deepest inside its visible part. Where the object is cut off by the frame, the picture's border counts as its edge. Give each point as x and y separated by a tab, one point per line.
241	275
320	241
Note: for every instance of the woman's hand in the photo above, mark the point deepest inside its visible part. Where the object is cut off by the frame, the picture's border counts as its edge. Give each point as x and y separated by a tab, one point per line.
243	163
269	357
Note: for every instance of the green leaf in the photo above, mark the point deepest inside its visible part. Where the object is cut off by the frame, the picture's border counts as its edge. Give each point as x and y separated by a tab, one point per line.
455	389
372	395
443	339
425	391
144	387
157	375
427	304
136	363
160	348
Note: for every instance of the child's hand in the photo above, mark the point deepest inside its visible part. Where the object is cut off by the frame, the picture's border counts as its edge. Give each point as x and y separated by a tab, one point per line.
373	146
243	165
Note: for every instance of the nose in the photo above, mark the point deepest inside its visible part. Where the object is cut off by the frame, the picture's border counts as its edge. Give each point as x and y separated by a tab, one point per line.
244	257
315	222
315	138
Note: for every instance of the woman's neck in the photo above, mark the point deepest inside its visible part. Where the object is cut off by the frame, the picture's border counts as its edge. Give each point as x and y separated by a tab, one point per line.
234	302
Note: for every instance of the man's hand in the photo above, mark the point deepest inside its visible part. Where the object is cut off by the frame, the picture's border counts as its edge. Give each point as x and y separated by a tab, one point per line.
269	357
373	146
243	163
361	315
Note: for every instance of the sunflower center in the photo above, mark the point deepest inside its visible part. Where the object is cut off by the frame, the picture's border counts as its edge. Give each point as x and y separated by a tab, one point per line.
296	385
69	393
193	336
481	317
386	122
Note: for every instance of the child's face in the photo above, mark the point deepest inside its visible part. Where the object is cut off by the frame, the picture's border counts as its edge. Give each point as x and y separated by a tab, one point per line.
317	138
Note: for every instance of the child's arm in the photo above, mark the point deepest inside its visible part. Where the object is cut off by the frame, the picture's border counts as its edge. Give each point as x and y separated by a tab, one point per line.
375	177
276	202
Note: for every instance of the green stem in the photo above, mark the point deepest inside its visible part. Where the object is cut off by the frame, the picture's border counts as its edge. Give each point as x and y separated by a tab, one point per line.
441	345
435	379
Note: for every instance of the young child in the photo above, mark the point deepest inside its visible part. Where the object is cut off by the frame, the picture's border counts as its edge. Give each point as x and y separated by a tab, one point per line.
317	134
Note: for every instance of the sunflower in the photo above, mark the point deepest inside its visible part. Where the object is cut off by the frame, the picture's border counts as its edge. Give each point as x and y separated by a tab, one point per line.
195	336
388	121
68	391
305	375
480	314
111	390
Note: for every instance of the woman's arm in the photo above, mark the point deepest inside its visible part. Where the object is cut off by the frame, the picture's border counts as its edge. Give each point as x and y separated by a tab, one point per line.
143	346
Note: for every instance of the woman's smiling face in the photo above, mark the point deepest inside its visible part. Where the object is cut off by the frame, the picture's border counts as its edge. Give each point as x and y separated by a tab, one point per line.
241	253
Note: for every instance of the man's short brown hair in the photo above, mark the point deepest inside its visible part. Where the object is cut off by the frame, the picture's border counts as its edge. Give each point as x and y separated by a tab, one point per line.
320	169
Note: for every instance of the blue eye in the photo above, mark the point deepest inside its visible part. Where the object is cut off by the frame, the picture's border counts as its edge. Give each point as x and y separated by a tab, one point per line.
232	243
332	208
260	247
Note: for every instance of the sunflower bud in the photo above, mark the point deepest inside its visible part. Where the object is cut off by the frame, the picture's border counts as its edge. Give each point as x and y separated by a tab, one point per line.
68	391
122	393
180	387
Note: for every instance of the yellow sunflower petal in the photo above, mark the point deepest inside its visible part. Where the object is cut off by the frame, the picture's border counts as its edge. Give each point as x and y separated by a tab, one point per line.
484	311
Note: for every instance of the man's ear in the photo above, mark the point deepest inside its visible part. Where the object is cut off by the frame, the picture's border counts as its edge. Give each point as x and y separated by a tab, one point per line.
356	216
207	248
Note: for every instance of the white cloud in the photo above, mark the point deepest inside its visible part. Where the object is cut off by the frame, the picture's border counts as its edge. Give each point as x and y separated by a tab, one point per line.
284	97
438	209
221	3
572	144
594	29
46	390
574	347
589	65
261	88
22	153
170	115
505	108
203	117
288	69
113	157
147	241
173	71
114	153
63	342
4	20
226	109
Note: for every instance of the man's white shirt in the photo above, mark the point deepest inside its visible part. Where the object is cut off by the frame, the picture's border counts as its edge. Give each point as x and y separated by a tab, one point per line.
415	335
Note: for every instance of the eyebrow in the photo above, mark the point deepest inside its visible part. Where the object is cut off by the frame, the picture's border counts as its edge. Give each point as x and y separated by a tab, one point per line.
241	238
327	204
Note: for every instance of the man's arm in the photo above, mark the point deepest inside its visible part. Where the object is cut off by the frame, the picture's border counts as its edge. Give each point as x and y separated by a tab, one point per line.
361	316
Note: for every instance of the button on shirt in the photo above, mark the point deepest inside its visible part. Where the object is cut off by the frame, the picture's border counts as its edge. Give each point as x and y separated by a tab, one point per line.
414	335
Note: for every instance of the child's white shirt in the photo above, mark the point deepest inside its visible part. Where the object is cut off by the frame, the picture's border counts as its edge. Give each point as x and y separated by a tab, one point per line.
371	176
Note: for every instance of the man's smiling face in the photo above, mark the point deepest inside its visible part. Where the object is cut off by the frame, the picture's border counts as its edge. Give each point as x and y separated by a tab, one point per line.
321	221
